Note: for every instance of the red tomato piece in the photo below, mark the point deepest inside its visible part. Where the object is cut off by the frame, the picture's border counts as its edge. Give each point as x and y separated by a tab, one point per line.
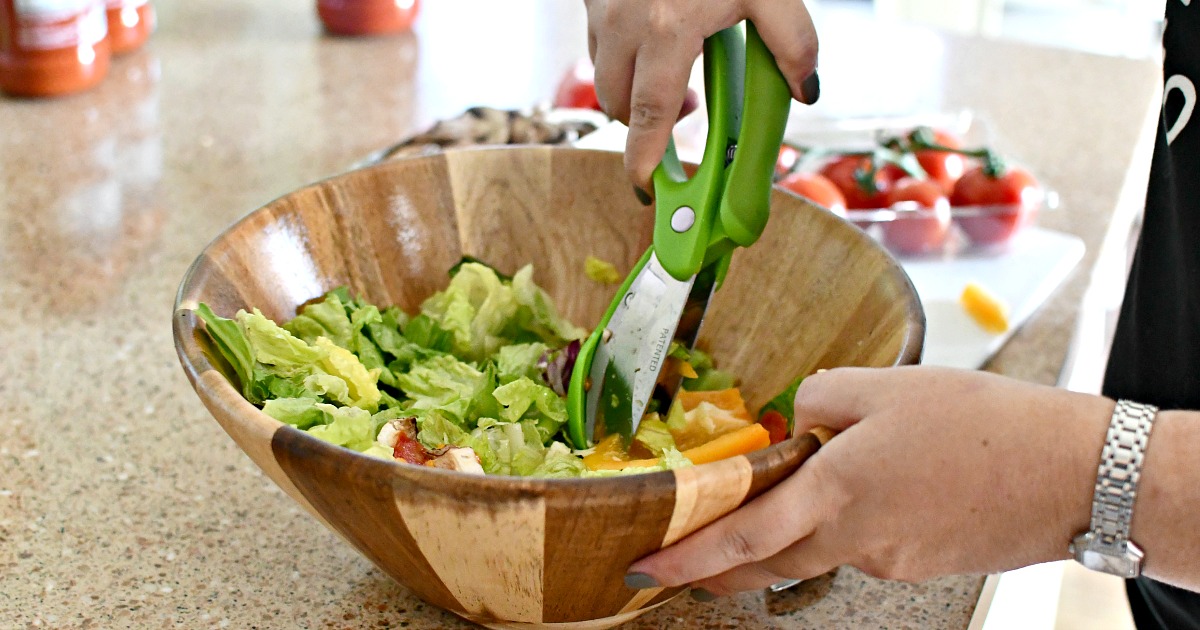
1016	189
818	189
920	233
776	426
943	167
410	450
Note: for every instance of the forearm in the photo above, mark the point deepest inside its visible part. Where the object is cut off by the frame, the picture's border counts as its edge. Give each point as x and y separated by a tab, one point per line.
1166	515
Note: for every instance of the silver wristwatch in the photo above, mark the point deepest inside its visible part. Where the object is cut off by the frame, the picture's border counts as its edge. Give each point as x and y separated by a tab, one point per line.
1106	546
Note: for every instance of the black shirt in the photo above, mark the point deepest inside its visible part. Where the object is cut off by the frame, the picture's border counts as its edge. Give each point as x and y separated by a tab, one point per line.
1156	350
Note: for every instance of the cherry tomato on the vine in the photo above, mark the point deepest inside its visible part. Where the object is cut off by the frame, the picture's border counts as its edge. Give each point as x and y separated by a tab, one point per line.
817	189
1016	188
843	173
922	232
943	167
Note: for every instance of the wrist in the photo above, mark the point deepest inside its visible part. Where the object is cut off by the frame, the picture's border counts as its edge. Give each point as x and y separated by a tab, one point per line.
1087	436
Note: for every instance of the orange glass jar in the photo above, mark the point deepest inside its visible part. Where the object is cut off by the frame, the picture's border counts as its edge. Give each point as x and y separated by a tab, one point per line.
52	47
130	23
367	17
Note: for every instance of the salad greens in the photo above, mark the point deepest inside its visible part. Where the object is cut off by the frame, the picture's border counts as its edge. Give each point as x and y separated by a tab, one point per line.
481	365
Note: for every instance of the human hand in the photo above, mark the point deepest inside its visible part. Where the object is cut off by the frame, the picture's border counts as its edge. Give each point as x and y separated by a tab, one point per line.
934	472
644	49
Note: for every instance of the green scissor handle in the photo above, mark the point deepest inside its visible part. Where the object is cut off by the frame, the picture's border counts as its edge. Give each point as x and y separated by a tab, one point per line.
725	204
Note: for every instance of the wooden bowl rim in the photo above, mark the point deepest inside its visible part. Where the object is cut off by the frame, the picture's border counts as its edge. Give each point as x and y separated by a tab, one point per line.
185	324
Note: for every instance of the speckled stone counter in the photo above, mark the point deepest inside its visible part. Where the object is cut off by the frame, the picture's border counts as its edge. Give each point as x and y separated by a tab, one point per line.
123	505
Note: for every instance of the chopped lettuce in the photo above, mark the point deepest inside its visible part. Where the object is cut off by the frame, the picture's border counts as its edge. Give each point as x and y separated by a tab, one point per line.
520	360
697	426
286	354
301	413
507	448
654	435
346	426
559	463
482	365
537	314
708	377
233	346
524	399
435	429
447	384
326	318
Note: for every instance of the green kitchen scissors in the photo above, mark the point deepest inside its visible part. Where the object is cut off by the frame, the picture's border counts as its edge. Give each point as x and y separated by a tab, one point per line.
699	222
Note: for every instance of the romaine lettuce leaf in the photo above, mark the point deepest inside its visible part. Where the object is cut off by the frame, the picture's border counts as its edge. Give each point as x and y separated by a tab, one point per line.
523	399
326	318
361	382
558	462
276	347
538	314
443	382
436	429
233	346
654	436
507	448
346	426
520	360
301	413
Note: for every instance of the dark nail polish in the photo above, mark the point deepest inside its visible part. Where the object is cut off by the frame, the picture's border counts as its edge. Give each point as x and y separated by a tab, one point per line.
640	581
702	595
810	89
642	196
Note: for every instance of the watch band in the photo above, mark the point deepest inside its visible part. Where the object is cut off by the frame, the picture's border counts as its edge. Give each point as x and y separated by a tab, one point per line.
1119	472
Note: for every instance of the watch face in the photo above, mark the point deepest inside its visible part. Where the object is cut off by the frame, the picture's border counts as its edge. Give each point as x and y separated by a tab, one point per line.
1115	565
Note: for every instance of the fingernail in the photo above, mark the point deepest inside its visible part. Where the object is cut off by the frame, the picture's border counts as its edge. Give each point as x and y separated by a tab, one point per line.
702	595
640	580
643	197
810	89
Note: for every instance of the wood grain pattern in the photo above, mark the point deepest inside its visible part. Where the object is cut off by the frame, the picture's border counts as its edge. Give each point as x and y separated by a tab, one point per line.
529	553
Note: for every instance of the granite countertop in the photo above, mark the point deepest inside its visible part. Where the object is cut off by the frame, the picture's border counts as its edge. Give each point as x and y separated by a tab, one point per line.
122	503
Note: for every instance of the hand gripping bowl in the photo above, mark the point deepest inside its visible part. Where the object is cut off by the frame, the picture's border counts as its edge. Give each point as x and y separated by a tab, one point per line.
813	293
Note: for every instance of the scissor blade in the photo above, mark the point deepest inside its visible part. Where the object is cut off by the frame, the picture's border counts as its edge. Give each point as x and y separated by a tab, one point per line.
692	317
633	349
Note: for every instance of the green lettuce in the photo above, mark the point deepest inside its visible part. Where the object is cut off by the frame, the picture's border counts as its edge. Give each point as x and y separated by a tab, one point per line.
457	388
301	413
507	448
435	429
654	435
558	462
233	346
538	314
523	399
520	360
287	354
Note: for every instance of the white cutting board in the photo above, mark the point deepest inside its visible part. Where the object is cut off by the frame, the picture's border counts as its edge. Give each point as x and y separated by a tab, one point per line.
1036	263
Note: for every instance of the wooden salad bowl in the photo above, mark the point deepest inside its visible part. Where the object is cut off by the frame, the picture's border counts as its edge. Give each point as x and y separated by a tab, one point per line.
510	552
